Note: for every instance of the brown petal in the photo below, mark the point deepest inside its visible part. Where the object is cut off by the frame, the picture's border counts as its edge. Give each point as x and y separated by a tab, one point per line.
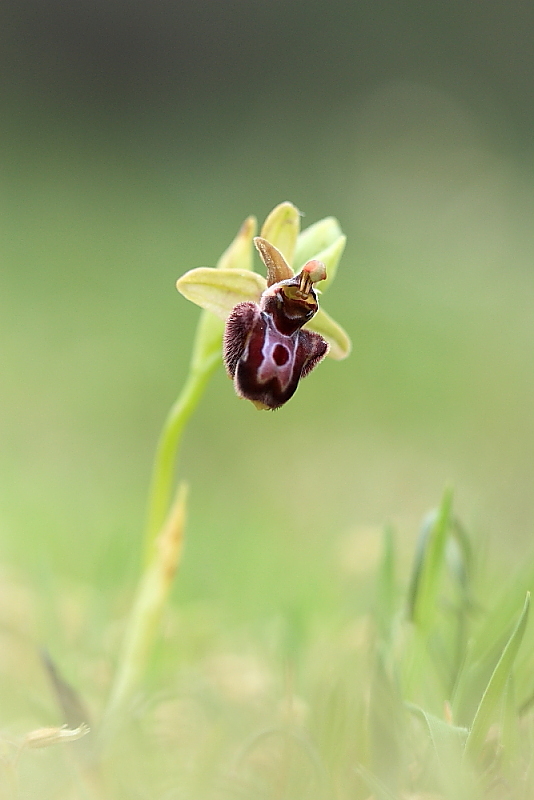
277	267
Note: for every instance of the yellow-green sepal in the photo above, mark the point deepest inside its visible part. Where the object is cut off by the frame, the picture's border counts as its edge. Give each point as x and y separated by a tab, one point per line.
331	256
337	338
238	255
209	334
314	239
281	229
219	290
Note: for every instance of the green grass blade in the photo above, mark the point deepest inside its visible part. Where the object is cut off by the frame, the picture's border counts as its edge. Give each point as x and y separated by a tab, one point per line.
448	743
461	559
495	689
386	723
447	740
498	616
385	603
509	738
495	620
428	564
380	790
419	679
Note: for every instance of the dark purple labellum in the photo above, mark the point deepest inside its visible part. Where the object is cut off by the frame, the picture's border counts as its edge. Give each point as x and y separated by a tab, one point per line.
266	351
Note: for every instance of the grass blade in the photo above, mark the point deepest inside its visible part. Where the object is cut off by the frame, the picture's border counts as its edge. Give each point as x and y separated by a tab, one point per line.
509	739
380	790
429	560
448	740
385	603
448	743
495	689
386	727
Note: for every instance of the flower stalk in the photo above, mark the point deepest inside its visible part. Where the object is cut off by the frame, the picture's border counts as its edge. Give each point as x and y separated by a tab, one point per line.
145	618
166	452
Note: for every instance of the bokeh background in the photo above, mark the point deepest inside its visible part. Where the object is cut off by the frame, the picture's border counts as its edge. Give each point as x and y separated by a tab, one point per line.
135	138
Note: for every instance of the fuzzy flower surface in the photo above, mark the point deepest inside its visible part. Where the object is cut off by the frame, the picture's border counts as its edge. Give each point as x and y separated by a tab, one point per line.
274	332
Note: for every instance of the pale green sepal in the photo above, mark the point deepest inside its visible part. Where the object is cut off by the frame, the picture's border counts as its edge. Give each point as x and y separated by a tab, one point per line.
317	237
238	255
337	338
210	329
331	256
219	290
281	229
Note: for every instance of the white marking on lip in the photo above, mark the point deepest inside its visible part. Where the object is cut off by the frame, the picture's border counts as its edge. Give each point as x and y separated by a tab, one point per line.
269	369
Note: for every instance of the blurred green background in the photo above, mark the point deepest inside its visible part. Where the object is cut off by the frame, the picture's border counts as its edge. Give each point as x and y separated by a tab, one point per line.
135	138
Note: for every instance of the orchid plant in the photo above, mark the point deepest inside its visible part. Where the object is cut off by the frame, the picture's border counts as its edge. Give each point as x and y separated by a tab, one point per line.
270	333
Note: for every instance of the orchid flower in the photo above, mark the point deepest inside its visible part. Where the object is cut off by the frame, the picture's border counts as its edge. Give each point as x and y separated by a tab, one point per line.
275	333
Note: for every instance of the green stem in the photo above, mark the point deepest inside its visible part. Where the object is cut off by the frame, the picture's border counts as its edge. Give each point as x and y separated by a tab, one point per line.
145	617
163	538
163	471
